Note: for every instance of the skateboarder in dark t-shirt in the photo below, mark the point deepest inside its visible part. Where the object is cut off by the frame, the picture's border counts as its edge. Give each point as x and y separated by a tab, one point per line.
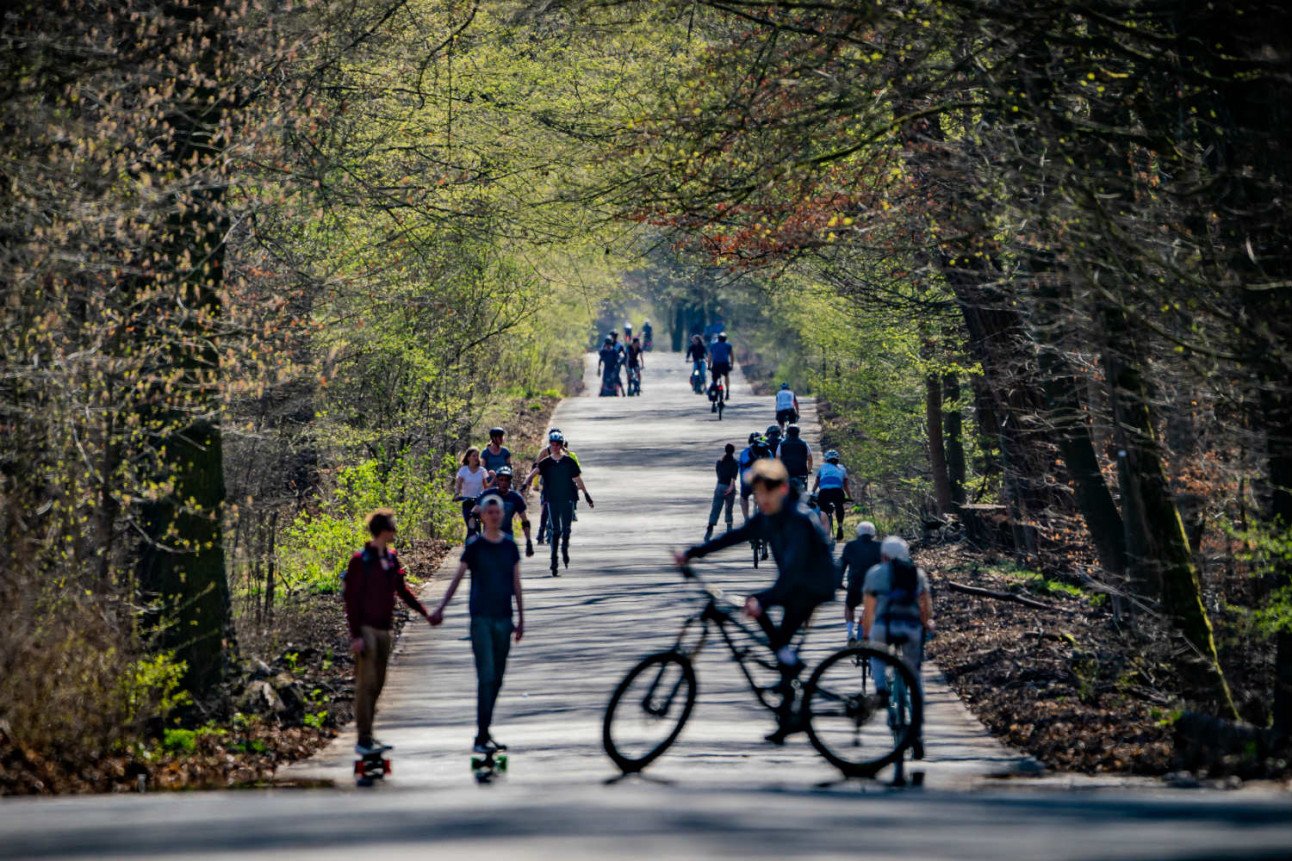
494	563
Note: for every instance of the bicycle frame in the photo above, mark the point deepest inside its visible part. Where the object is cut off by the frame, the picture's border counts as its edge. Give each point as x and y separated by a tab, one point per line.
713	614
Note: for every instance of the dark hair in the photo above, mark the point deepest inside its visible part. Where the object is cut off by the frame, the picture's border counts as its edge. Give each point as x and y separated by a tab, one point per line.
730	449
381	520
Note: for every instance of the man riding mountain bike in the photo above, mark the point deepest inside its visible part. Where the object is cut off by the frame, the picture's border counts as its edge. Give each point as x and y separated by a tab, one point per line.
805	574
796	454
787	406
756	450
720	363
832	489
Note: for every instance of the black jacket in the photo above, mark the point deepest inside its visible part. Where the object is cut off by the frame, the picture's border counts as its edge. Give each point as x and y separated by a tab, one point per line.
794	454
800	547
859	556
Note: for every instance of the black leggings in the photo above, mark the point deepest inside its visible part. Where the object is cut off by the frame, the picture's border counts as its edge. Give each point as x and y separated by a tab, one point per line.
831	502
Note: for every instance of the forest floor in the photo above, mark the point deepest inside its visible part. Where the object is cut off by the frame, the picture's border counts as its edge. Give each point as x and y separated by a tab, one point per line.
1062	683
292	694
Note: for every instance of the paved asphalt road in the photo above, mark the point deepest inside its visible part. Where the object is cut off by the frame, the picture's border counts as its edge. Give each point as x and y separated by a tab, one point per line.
720	792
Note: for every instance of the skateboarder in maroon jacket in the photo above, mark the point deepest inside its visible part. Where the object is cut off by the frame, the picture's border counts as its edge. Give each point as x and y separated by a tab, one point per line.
372	580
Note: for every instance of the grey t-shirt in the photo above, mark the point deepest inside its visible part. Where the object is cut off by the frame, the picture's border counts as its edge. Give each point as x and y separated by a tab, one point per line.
879	581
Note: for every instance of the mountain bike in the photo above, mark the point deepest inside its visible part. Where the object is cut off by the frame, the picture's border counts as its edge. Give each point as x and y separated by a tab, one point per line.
844	720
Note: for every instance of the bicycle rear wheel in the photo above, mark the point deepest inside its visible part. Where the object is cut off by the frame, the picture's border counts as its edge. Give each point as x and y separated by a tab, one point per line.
847	723
648	709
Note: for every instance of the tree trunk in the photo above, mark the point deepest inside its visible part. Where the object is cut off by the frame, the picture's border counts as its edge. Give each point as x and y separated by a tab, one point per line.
937	449
1159	561
181	566
953	436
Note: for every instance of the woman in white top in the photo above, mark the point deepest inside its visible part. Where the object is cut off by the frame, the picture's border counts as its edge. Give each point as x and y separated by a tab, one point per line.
471	481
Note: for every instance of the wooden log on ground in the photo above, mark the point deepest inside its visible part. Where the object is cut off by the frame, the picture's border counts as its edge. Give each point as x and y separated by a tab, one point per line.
1003	596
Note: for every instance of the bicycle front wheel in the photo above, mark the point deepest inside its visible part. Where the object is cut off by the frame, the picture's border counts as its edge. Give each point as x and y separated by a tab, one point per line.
848	722
648	709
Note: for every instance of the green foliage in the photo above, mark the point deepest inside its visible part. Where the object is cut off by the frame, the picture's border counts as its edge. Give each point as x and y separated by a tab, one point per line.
151	686
316	547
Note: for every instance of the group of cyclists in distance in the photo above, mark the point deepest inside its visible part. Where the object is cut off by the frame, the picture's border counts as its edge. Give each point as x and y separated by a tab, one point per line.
620	363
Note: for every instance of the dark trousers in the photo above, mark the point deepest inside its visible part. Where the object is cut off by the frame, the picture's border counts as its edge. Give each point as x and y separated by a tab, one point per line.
490	643
560	513
794	617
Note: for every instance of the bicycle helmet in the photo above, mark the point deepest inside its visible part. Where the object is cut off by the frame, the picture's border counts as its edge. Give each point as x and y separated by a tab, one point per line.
497	432
785	385
556	436
832	456
722	336
503	472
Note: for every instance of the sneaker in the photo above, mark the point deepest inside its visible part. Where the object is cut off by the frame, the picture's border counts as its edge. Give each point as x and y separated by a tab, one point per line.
484	746
371	748
497	745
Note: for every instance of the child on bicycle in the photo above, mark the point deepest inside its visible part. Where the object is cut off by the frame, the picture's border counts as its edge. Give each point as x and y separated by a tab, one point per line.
805	573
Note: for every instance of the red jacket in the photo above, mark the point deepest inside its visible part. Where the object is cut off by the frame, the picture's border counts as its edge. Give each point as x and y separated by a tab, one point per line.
372	580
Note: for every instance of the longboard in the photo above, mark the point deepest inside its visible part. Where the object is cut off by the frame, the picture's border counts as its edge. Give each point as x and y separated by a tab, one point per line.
486	767
371	767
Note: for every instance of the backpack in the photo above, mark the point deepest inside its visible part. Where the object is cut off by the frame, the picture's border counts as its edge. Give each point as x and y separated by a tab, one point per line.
903	590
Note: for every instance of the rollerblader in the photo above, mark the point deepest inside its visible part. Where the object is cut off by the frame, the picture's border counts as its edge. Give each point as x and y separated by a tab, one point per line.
561	482
513	506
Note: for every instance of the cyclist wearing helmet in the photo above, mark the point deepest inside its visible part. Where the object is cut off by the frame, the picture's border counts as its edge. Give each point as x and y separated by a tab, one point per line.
561	483
805	572
495	455
859	556
720	363
773	437
796	454
787	405
513	504
628	331
756	450
831	487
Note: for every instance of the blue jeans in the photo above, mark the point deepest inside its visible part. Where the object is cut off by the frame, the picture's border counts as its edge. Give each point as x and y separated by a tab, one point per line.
721	499
491	643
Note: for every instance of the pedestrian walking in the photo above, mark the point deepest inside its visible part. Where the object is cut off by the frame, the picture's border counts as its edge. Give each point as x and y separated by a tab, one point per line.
724	492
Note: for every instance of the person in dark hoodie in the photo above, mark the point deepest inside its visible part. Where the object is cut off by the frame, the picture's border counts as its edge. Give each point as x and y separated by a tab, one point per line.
859	556
805	573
